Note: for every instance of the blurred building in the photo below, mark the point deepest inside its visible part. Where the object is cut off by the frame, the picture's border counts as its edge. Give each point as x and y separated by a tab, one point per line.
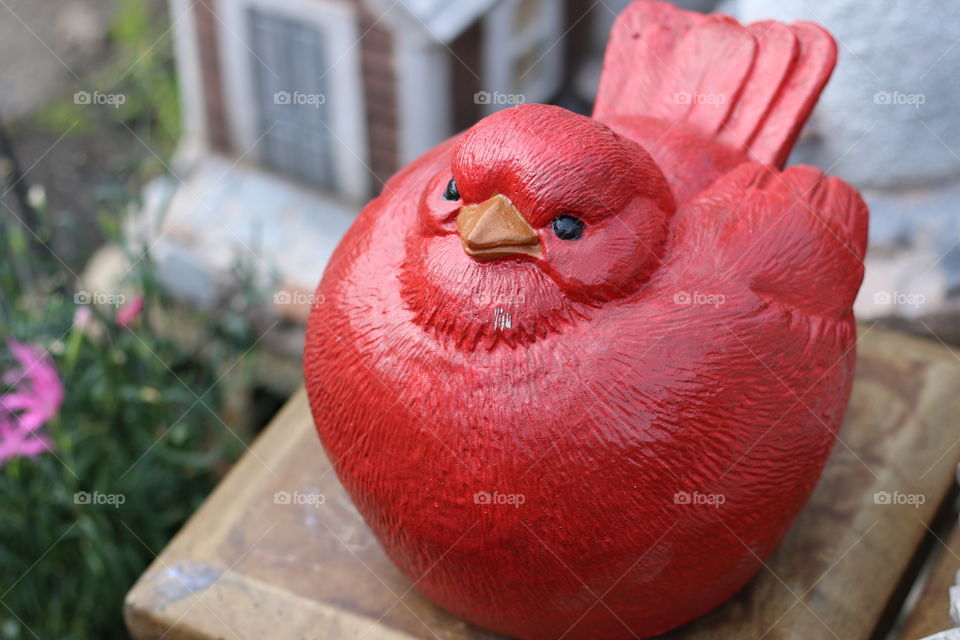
297	111
340	94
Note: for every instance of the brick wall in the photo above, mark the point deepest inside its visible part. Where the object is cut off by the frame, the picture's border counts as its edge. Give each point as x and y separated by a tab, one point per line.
379	84
466	65
378	64
207	26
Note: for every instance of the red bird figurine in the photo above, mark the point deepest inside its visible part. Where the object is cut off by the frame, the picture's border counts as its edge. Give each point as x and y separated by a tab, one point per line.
580	374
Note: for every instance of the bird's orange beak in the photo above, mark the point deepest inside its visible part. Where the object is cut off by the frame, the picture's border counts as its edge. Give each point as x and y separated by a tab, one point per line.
496	229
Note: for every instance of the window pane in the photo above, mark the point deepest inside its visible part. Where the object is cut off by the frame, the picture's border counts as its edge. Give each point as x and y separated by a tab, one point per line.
291	100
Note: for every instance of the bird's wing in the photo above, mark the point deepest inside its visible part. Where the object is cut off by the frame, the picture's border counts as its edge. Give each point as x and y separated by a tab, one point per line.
749	87
796	237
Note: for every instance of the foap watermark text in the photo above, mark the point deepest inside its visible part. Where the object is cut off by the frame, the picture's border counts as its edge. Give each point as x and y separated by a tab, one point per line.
497	498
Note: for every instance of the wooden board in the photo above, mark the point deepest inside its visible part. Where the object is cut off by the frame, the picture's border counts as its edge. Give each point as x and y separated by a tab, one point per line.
252	564
931	613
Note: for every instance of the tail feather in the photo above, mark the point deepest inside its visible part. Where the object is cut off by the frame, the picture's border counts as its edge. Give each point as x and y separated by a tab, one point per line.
778	47
791	107
635	75
750	88
710	90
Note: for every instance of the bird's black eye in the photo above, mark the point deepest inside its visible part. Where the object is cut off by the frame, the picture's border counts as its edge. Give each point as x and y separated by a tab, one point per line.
451	193
568	227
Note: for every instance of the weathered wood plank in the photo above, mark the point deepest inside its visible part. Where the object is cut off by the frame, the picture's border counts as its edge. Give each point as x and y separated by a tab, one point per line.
931	613
251	564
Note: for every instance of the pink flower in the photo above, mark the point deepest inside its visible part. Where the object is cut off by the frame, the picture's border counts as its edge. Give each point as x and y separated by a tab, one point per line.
81	318
34	399
130	312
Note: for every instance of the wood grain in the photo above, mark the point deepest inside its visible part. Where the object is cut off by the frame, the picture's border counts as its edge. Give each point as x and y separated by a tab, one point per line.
931	613
249	566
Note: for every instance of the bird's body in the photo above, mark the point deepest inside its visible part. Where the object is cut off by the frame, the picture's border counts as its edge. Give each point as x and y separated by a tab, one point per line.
582	389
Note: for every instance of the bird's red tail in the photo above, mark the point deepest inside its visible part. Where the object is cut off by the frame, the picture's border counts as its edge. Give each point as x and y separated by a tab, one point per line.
749	87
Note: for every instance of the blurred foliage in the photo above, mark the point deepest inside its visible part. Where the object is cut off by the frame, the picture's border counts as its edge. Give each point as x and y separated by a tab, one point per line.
135	423
140	420
141	415
142	70
149	80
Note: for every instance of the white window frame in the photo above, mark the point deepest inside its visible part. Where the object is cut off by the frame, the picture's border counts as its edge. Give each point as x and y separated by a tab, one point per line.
502	48
189	76
423	85
337	22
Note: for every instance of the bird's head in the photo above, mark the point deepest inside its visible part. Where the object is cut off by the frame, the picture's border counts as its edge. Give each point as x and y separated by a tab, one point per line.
541	215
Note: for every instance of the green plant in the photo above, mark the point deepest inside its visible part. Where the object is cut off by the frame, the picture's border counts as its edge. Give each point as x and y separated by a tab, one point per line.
140	79
138	441
145	72
137	445
138	434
